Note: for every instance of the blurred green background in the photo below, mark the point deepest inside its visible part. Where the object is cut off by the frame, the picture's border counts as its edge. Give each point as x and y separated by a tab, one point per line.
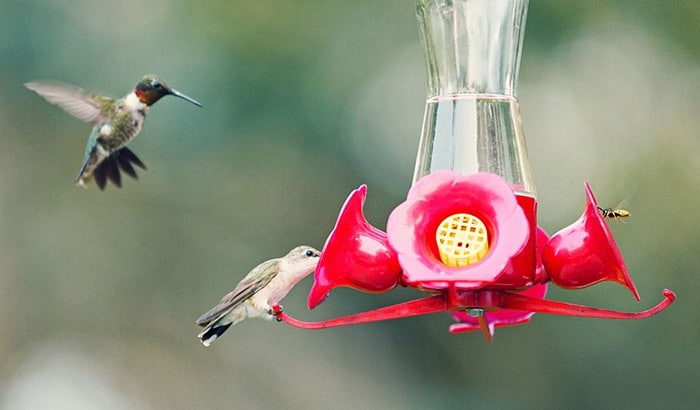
303	102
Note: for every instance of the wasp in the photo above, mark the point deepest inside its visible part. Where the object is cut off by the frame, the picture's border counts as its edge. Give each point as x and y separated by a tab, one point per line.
615	213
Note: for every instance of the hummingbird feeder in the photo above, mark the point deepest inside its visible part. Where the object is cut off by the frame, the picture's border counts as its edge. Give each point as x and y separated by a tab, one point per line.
467	233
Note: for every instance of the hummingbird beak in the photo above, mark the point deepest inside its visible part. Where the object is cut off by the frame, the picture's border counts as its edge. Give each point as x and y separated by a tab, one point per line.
176	93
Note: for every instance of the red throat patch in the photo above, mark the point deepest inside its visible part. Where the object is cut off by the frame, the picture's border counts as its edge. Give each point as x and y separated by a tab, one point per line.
140	95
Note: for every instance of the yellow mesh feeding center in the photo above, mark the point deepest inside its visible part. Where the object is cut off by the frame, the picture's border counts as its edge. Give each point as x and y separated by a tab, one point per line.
462	240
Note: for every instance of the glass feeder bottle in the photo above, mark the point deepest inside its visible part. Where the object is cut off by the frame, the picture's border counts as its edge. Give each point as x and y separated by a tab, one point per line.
472	116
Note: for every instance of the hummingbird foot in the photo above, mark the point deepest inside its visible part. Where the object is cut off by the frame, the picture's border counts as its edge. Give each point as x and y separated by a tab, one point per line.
81	183
275	310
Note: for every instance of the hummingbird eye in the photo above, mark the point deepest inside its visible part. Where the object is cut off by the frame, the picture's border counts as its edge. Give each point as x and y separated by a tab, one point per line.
156	84
310	253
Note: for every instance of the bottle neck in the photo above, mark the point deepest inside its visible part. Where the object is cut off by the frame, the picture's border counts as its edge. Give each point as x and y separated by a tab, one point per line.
472	46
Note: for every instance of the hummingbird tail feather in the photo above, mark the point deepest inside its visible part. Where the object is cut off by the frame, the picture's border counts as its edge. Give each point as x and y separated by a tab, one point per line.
109	168
131	157
100	176
212	332
125	165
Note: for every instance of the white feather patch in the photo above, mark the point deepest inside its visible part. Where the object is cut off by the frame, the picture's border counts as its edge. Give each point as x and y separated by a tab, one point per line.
132	103
106	129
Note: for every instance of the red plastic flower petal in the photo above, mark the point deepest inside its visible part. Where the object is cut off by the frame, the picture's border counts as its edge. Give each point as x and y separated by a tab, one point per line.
585	252
500	317
356	255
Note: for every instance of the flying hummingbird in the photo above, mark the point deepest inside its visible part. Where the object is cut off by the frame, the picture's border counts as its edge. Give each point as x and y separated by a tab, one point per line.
264	286
116	122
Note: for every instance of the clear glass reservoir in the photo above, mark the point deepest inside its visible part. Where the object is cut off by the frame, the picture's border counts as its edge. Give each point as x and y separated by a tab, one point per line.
472	117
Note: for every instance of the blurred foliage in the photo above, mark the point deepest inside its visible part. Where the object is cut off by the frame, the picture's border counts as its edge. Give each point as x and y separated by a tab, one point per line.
304	101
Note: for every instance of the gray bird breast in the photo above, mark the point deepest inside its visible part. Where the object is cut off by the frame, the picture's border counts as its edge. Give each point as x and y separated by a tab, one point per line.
126	127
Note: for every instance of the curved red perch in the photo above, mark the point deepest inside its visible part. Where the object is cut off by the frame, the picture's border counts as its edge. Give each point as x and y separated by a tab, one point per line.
487	300
418	307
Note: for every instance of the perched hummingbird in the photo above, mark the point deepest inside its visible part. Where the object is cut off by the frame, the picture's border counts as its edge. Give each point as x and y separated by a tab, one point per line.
264	286
116	123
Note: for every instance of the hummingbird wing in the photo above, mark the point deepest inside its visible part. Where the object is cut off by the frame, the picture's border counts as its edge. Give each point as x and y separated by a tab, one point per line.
74	101
256	280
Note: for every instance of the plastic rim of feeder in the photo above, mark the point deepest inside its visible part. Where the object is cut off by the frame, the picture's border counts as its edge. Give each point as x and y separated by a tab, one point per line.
462	240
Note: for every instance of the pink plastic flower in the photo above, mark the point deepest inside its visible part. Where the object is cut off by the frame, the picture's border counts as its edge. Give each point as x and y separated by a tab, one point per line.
412	226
